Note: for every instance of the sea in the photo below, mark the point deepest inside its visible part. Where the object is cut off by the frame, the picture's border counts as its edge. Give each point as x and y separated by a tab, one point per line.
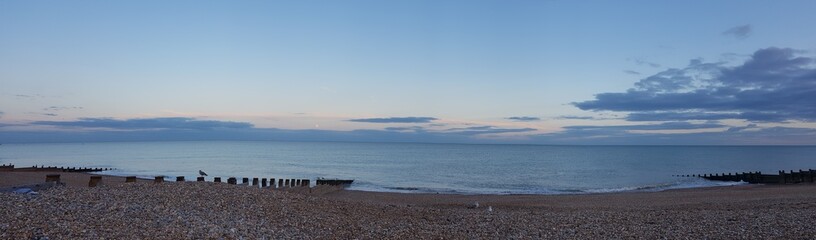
426	168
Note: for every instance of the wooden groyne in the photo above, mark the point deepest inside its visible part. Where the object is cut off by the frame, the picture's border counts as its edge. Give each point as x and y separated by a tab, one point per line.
782	177
35	168
334	182
274	183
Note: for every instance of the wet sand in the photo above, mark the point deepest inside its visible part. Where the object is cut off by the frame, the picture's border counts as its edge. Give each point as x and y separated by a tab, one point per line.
196	210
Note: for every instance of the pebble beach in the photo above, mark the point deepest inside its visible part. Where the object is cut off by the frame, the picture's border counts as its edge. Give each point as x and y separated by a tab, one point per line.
205	210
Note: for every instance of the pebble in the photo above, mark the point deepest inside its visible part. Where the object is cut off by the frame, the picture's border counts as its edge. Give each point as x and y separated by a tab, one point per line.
198	210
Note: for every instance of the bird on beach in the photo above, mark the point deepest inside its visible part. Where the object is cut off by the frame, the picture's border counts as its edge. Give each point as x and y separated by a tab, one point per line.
202	173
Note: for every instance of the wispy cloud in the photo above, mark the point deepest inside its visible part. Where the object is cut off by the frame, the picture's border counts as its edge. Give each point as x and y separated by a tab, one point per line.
147	123
652	127
571	117
395	120
622	135
411	128
60	108
774	85
524	119
631	72
739	32
642	62
478	130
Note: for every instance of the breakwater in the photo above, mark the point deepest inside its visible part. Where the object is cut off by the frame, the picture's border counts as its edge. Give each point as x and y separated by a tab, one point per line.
781	177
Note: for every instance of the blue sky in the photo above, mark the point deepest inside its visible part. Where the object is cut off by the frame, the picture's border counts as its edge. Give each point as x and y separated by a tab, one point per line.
545	72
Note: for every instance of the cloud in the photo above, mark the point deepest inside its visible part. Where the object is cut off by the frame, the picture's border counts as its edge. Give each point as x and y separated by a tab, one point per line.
147	124
631	72
623	135
652	127
464	131
412	128
739	32
395	120
642	62
773	85
60	108
571	117
478	130
524	119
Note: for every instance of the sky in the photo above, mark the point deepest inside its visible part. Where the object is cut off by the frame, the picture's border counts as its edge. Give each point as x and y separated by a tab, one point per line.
516	72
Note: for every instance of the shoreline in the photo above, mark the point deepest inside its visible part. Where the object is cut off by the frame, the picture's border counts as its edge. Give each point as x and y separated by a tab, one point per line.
11	180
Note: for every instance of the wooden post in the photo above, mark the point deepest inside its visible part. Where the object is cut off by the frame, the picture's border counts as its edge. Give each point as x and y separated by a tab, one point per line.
255	182
271	182
297	182
95	180
130	179
811	174
781	177
232	180
287	183
180	179
199	179
217	179
245	180
52	178
304	183
158	179
280	183
263	182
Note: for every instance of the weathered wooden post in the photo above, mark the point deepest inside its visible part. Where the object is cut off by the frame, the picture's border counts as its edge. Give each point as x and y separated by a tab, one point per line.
297	182
280	183
304	183
232	180
286	183
271	182
130	179
199	179
255	182
801	175
263	182
217	179
245	180
180	179
95	180
811	174
158	179
52	178
781	177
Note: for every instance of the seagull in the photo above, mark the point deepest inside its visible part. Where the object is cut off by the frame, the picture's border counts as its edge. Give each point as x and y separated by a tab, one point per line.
202	173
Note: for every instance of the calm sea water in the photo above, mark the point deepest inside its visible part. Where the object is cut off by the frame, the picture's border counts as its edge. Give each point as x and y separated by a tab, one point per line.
413	167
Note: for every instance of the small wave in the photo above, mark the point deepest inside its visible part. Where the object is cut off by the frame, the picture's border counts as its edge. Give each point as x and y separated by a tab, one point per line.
682	184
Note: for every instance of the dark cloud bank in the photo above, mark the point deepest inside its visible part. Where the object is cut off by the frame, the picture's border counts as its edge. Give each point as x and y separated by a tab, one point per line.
177	123
190	129
774	85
